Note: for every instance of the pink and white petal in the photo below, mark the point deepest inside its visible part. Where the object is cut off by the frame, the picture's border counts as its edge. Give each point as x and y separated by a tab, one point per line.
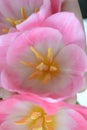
40	38
9	81
21	104
39	101
72	59
61	122
69	26
64	85
55	89
7	39
9	125
78	121
80	109
35	19
3	52
10	9
74	120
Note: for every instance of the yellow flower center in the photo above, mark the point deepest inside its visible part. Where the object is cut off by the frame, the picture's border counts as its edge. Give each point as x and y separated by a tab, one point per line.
14	22
45	67
37	119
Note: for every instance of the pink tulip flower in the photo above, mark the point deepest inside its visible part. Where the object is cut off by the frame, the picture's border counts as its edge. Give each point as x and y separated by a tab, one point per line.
18	13
33	113
39	61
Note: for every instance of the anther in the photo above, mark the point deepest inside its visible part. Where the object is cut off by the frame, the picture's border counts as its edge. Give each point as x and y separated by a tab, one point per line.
42	67
36	53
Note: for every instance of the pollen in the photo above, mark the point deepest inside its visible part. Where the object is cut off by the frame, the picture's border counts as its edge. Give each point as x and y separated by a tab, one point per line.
45	67
37	119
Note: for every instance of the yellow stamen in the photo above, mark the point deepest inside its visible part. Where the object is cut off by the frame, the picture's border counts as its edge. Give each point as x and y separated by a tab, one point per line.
47	79
36	10
50	55
39	56
35	115
11	21
14	22
23	14
53	69
17	21
42	67
35	75
28	64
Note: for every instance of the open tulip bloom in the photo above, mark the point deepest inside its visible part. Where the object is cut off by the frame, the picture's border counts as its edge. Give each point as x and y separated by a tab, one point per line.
48	60
21	12
29	112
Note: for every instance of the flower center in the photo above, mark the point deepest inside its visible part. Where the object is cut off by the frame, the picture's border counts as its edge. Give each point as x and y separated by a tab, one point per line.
37	119
14	22
45	67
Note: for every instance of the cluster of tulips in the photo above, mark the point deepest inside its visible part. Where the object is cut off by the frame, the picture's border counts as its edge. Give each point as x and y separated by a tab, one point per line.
43	66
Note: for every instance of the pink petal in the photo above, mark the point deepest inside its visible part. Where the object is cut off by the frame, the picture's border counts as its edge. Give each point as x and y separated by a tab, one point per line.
78	121
12	9
5	41
41	38
3	50
69	26
72	59
36	18
19	105
74	120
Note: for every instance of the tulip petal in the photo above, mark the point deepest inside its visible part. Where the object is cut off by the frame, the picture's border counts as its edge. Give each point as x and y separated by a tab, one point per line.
69	26
36	18
72	59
